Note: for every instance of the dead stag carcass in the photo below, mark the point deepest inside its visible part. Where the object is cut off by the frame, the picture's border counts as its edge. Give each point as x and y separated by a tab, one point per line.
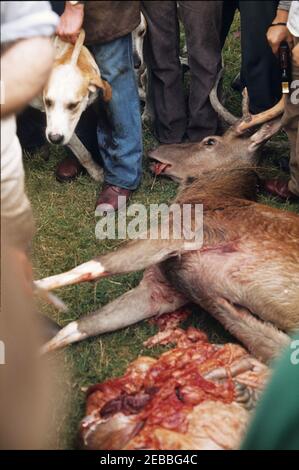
246	273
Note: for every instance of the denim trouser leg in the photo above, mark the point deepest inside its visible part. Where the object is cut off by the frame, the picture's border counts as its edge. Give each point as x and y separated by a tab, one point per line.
119	129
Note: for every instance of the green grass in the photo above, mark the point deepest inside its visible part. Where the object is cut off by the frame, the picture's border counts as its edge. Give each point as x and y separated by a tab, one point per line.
65	225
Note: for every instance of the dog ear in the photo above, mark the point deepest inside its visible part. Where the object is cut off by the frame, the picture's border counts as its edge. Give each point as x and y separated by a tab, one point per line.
97	82
77	47
107	91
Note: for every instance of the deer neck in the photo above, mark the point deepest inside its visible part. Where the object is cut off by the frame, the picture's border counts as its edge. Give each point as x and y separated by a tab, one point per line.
221	183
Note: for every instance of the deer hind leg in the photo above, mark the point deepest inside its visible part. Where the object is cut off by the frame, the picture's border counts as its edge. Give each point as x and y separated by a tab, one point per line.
262	339
153	296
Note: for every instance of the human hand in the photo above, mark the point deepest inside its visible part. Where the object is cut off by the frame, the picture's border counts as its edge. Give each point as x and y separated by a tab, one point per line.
70	23
279	33
276	35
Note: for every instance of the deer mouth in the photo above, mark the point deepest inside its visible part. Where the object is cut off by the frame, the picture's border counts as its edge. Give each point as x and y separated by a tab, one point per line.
158	167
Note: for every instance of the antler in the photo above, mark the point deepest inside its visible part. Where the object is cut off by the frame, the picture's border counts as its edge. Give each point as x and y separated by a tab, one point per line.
256	119
247	120
245	104
219	108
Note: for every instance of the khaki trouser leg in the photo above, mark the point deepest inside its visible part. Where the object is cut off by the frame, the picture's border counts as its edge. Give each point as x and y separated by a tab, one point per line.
290	122
16	215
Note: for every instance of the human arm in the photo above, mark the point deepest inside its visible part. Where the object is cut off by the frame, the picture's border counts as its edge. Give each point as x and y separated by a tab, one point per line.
71	22
22	76
279	32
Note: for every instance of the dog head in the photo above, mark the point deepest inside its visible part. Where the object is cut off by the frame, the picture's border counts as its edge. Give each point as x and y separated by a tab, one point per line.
74	83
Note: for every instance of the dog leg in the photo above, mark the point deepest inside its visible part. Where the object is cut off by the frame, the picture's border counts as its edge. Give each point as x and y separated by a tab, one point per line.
148	111
85	158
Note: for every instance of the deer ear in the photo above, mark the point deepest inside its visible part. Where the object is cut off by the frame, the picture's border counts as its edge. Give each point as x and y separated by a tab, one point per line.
97	82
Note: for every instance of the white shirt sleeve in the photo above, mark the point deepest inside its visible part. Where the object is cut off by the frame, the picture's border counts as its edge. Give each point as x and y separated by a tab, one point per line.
293	20
20	20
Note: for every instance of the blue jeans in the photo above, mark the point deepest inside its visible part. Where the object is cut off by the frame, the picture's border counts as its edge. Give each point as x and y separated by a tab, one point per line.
119	129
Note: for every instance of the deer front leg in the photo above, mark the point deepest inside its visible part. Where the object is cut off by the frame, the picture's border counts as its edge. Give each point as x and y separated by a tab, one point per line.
134	256
153	296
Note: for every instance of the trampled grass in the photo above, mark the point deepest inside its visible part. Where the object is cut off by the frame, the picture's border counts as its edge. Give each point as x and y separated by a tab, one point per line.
65	236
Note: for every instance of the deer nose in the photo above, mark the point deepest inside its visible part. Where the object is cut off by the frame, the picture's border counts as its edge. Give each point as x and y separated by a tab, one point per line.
55	138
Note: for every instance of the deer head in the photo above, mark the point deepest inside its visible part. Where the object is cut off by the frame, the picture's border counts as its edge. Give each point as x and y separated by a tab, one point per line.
236	148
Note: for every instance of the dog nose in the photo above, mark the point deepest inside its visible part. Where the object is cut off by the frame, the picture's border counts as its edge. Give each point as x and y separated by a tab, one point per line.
55	138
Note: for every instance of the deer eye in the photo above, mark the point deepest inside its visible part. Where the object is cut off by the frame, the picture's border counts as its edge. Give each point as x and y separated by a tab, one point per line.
72	106
210	141
48	103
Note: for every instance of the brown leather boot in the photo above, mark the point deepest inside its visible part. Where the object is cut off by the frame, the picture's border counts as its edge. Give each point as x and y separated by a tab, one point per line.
68	169
108	199
280	188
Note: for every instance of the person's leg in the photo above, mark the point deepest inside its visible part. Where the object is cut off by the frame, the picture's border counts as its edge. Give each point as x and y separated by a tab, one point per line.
228	12
166	81
290	121
17	224
260	68
291	126
202	22
119	127
15	205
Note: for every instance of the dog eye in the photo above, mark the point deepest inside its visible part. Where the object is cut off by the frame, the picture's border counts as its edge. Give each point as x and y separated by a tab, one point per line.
210	142
72	105
48	102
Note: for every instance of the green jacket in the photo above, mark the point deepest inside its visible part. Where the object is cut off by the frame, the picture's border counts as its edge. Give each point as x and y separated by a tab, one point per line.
276	423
